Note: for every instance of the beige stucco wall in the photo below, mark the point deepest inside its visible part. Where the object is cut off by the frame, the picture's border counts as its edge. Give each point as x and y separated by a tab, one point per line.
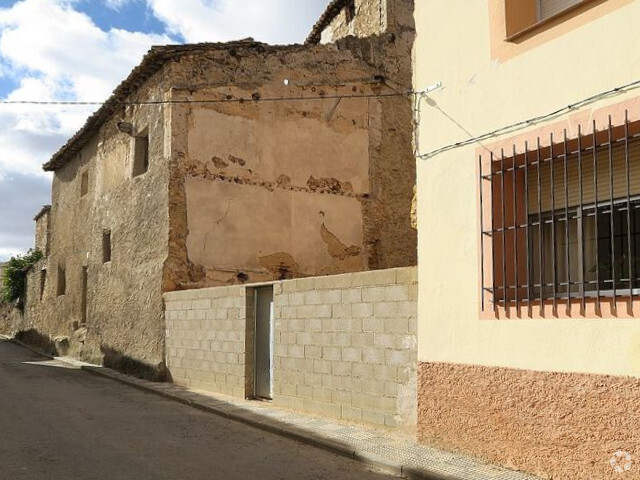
484	89
124	296
344	346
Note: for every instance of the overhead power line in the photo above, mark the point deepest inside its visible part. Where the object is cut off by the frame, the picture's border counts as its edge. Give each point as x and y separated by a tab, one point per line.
525	123
210	101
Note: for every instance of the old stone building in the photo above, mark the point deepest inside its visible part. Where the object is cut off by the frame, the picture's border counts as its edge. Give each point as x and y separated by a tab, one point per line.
223	164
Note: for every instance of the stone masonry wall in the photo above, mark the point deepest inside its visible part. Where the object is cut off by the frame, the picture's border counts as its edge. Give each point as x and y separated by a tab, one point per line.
206	339
344	345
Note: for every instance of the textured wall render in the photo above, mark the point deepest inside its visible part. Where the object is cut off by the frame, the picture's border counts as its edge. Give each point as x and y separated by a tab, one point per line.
554	425
344	346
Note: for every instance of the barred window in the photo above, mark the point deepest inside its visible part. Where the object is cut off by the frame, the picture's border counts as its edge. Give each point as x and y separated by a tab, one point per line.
563	220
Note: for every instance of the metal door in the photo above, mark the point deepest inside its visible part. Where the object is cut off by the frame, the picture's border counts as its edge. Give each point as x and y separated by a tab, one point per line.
263	348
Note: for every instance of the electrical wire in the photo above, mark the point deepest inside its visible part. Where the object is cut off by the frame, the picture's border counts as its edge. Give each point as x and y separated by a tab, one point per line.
211	101
515	126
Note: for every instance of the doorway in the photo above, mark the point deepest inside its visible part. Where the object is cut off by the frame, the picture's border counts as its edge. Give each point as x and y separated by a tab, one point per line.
263	343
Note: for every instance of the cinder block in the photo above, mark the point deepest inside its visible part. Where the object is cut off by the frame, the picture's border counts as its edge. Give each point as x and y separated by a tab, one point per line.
313	351
341	368
397	357
351	354
406	342
296	351
362	310
313	379
373	356
373	386
407	276
374	294
373	324
351	413
396	325
327	409
352	295
386	310
413	292
305	284
330	296
331	353
386	372
201	304
342	339
362	339
407	309
304	338
396	293
377	277
322	366
391	389
363	370
342	397
297	298
313	324
312	298
373	417
333	282
322	394
304	391
385	340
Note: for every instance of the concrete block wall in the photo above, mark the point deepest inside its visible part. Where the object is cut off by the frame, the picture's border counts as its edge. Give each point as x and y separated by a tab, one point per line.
206	338
345	346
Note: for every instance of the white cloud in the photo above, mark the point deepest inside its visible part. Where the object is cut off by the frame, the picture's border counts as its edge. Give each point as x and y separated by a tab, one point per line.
271	21
117	4
59	54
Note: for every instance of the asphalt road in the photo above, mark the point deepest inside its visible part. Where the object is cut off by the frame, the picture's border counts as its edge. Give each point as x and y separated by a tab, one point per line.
61	423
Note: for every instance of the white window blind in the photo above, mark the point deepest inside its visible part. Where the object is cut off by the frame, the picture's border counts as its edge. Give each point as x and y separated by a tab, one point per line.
588	181
549	8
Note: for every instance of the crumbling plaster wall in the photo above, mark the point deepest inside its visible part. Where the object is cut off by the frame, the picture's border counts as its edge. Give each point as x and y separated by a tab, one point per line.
42	232
266	190
124	319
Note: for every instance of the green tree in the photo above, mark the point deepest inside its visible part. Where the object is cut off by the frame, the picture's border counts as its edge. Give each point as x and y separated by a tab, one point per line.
15	273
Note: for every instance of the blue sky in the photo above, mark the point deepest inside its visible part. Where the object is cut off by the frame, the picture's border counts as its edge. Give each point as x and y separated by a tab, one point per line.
80	50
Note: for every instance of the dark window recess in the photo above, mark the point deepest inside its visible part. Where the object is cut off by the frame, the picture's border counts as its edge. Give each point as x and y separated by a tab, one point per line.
141	155
84	184
563	222
43	282
350	11
106	246
62	281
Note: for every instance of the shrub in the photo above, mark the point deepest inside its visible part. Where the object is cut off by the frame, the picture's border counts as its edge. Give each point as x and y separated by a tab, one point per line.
15	273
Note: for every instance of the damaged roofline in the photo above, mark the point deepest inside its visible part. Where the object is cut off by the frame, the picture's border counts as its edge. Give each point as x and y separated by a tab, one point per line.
44	210
332	10
151	63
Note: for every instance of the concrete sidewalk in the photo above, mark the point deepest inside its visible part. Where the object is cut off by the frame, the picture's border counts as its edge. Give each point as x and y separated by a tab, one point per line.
395	453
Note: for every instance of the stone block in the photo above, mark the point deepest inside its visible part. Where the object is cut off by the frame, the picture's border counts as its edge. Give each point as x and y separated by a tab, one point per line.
351	413
362	310
407	276
373	324
376	277
396	293
374	294
373	417
322	366
396	325
397	357
331	353
341	368
313	351
322	394
202	304
341	339
385	340
362	339
351	354
386	310
333	282
341	310
297	298
373	356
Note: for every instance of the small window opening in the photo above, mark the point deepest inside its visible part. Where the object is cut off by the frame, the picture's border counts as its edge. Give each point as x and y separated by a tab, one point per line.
106	246
84	184
141	155
43	282
350	11
62	281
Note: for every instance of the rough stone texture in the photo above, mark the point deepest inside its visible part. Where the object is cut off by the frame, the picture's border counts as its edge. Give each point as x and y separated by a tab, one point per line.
372	17
43	226
554	425
5	318
123	308
206	333
238	189
344	346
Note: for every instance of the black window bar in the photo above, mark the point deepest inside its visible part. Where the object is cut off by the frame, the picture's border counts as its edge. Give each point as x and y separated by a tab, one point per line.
564	220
